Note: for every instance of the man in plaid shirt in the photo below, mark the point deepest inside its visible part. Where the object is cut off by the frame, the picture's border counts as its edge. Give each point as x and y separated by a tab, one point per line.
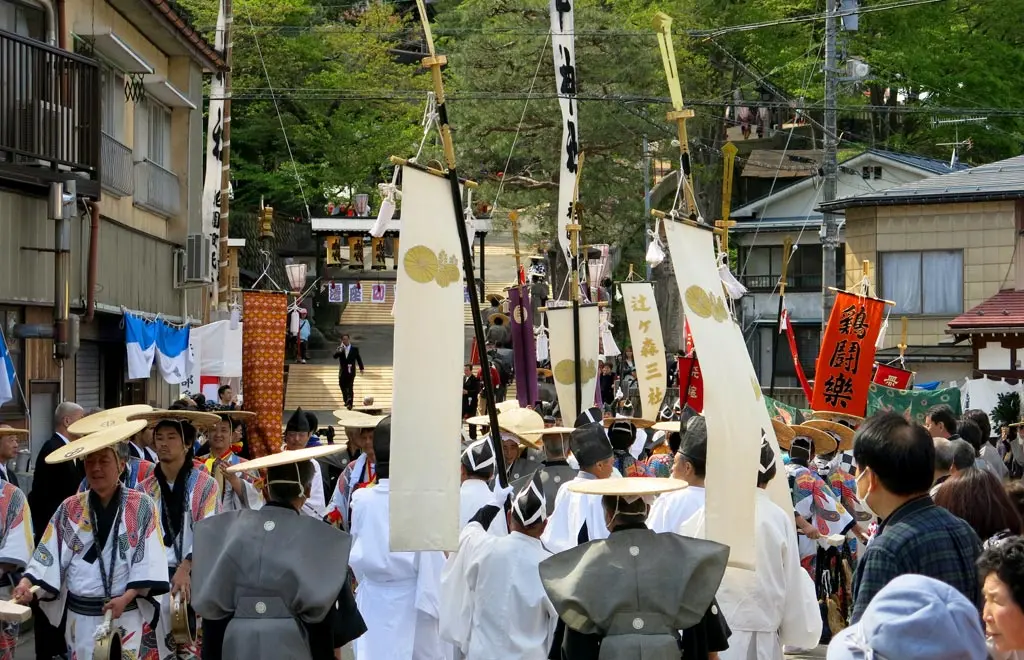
896	459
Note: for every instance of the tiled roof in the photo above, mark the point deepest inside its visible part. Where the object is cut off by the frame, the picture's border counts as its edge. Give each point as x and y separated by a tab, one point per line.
921	162
176	15
1000	180
1003	310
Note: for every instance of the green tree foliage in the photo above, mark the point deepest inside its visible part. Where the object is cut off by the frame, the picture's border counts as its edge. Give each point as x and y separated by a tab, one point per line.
336	143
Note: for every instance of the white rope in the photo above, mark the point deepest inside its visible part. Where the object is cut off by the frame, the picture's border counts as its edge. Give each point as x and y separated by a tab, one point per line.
280	120
430	122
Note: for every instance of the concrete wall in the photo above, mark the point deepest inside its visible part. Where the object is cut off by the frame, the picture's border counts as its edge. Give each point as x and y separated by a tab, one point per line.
986	232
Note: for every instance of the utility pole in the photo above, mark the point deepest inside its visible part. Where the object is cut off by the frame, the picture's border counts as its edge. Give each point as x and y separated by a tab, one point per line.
223	297
830	222
647	198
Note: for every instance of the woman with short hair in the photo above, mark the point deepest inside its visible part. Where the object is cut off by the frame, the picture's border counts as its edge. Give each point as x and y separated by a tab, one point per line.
1002	570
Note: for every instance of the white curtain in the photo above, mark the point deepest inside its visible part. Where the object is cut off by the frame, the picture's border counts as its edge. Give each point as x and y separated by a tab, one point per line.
901	281
942	276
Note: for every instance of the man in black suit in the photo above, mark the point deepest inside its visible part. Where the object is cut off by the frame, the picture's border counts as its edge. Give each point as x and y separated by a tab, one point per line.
470	396
51	485
348	356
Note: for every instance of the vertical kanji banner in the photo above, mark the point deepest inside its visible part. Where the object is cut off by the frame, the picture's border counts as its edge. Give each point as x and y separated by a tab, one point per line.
263	335
524	347
648	344
893	377
691	383
564	50
847	356
213	177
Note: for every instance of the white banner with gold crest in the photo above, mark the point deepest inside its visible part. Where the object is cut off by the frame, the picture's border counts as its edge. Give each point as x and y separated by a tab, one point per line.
648	345
733	405
428	353
563	365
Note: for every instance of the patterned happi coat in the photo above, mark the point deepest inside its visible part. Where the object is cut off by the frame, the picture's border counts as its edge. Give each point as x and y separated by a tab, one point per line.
16	542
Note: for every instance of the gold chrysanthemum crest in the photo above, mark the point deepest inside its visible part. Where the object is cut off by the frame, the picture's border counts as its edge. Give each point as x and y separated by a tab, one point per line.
424	266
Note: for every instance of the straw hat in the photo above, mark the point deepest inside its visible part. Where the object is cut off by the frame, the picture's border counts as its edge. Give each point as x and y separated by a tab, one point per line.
362	422
507	405
523	423
94	442
638	422
837	417
842	434
551	430
243	416
823	442
106	418
783	433
500	315
10	430
544	373
368	410
627	486
285	457
194	417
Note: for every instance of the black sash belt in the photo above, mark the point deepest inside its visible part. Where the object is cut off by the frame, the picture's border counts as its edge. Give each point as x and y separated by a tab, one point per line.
92	605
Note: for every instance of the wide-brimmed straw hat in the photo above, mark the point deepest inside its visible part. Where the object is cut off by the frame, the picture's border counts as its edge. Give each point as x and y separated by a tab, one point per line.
833	416
638	422
627	486
843	434
106	419
783	433
196	418
10	430
285	457
93	442
551	430
362	421
823	442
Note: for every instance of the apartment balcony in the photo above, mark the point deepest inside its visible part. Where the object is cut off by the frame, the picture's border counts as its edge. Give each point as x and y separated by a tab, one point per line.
49	115
116	176
797	282
157	189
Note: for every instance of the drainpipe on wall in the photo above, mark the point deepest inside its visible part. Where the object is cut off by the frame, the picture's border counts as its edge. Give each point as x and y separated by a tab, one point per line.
51	21
94	251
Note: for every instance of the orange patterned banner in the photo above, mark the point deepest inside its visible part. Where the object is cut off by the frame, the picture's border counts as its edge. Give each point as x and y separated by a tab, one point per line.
265	324
847	357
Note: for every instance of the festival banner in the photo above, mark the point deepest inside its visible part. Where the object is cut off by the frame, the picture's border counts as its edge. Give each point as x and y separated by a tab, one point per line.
335	292
524	347
378	292
843	372
894	377
736	416
213	177
355	293
426	421
648	344
786	325
785	413
691	384
564	50
912	404
563	363
263	335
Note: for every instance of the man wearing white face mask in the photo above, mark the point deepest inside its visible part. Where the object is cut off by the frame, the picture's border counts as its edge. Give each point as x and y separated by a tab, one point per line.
897	462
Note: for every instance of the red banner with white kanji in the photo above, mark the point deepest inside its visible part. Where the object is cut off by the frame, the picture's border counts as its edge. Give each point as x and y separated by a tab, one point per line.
691	384
894	377
847	357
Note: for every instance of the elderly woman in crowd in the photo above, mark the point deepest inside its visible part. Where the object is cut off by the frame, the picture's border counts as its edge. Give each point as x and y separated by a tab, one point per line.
1002	569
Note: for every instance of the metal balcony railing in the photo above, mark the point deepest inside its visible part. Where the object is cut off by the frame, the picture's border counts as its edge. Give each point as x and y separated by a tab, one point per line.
797	282
117	167
157	189
49	106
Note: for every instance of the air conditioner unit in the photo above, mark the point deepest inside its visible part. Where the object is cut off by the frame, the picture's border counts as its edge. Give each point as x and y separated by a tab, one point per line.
49	129
198	256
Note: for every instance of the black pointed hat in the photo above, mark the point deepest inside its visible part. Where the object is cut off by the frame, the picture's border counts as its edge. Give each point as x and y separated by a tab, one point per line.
694	443
298	422
590	445
530	506
382	441
479	456
588	416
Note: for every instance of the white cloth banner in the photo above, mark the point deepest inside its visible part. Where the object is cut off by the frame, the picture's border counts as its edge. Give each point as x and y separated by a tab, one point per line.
214	158
426	420
648	345
564	49
983	393
733	405
140	345
563	362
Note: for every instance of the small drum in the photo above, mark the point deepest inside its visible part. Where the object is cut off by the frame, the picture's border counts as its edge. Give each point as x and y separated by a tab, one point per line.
108	647
183	621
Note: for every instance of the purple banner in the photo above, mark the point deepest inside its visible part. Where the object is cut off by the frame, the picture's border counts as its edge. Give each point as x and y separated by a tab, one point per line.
524	347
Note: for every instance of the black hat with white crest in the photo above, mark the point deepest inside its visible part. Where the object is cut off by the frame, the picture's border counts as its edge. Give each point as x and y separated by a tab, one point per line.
530	506
478	458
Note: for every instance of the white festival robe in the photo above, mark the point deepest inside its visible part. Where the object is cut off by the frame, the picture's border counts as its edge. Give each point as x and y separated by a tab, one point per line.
571	511
201	501
671	510
16	543
316	505
59	567
773	605
475	494
512	617
398	593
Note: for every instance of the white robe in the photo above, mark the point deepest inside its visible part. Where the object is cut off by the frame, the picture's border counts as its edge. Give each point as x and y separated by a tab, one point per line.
571	511
58	565
475	494
316	505
672	509
15	548
512	617
398	594
773	605
456	612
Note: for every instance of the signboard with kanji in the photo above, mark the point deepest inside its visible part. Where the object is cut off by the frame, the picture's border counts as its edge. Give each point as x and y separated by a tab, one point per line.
847	356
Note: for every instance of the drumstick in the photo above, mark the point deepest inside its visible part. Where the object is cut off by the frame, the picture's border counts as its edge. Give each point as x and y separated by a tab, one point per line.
15	612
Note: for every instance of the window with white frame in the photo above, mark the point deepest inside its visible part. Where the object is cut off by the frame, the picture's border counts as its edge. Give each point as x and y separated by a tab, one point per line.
153	133
926	283
113	100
